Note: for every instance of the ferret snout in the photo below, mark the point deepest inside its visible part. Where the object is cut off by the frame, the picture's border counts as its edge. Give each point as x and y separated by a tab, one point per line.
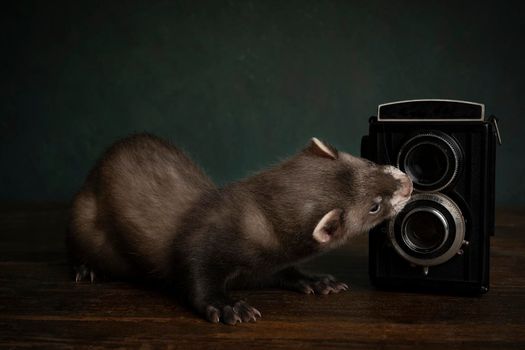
406	183
402	195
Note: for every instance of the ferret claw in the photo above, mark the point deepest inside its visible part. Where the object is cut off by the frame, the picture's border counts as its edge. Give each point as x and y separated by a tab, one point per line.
308	290
82	273
213	314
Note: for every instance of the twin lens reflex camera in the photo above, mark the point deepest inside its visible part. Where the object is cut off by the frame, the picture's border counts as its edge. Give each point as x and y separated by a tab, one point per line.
440	240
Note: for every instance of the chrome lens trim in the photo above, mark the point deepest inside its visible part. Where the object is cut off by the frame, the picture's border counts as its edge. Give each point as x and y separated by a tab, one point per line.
458	223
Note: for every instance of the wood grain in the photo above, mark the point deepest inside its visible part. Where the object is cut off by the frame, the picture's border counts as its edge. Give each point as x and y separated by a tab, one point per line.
40	306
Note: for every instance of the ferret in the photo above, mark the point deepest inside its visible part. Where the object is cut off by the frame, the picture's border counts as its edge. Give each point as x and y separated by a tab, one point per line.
147	211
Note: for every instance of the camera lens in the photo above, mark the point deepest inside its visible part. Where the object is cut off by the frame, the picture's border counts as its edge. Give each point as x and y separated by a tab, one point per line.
427	163
429	230
424	229
431	159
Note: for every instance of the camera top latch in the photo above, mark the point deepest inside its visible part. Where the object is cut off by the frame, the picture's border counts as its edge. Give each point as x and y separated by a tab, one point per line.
494	121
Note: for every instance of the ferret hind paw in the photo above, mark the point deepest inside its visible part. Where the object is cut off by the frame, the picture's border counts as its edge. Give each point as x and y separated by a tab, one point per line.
238	313
83	272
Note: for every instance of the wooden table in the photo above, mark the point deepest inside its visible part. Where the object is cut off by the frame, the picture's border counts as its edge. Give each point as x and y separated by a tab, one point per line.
40	306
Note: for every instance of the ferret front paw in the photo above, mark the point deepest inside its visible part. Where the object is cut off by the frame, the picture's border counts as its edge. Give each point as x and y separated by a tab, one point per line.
83	272
320	284
294	279
239	312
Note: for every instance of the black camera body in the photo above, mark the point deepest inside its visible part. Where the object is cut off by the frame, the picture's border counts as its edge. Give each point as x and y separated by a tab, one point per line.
440	241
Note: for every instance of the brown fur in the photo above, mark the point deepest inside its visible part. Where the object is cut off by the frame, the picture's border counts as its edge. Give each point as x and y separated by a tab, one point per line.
131	203
146	210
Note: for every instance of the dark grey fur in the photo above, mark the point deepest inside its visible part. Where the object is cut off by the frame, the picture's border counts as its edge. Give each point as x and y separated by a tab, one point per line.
147	211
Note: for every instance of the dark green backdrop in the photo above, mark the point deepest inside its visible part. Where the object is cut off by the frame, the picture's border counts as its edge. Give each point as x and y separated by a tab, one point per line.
241	84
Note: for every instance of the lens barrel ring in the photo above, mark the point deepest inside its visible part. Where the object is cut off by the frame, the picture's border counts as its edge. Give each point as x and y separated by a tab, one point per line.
452	241
448	147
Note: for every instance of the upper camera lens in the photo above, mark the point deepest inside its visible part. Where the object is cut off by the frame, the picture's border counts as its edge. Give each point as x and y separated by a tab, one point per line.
426	164
432	160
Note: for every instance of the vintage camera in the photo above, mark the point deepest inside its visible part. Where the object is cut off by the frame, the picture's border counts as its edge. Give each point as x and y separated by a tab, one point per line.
440	240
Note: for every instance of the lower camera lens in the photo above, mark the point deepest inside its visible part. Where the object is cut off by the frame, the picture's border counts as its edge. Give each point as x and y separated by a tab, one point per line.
429	230
424	230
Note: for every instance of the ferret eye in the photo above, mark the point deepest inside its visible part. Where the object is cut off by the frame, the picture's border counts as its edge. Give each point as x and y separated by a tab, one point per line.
375	208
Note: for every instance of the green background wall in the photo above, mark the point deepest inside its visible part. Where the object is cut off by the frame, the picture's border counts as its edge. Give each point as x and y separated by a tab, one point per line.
241	84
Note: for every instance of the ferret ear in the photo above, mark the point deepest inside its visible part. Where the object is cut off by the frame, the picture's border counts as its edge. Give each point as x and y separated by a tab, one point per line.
328	226
321	149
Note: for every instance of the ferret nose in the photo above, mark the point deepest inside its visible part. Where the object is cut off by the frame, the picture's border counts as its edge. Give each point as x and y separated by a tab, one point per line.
407	186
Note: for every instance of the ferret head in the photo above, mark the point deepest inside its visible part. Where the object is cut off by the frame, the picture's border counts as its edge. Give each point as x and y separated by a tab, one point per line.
355	194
